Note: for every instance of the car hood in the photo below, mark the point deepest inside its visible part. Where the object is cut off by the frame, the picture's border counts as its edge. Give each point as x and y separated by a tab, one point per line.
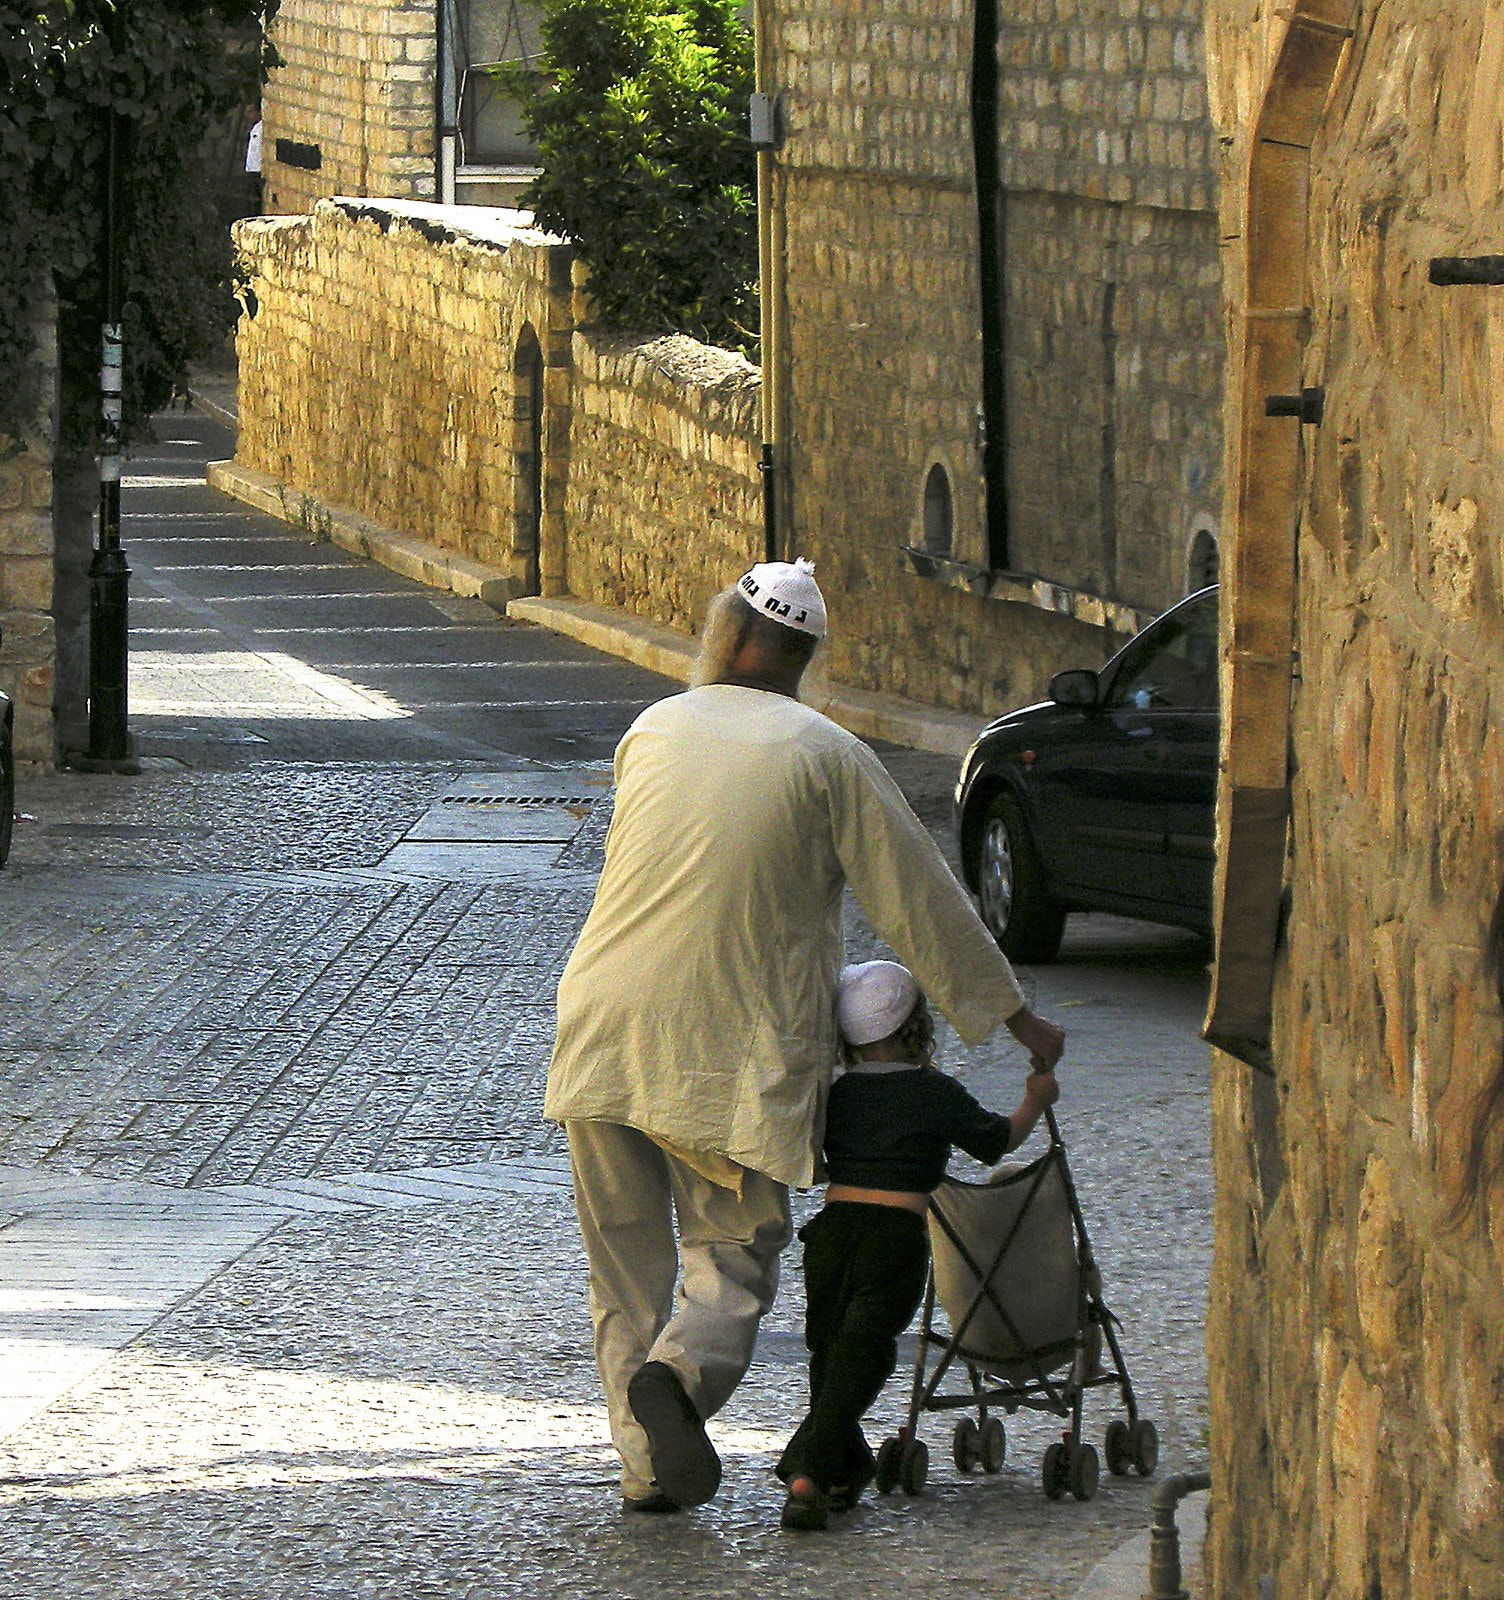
1026	716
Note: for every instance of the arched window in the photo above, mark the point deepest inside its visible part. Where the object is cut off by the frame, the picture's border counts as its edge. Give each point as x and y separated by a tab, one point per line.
939	518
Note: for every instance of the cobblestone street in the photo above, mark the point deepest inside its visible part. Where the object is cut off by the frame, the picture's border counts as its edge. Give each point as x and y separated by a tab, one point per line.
291	1297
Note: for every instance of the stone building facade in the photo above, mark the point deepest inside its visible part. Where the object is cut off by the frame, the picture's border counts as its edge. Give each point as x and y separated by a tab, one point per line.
351	109
28	634
1356	1325
1004	339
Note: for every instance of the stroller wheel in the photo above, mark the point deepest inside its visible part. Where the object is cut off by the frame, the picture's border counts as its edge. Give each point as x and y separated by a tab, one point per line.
915	1466
1054	1470
889	1460
994	1445
1083	1470
1119	1447
1143	1441
966	1445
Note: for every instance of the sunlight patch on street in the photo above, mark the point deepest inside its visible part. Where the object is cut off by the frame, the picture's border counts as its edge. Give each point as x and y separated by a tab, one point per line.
229	1427
246	683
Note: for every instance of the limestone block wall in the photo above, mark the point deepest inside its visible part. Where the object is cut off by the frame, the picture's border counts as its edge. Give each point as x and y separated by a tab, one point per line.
353	102
1106	100
1110	308
1115	362
1356	1329
663	504
28	644
383	371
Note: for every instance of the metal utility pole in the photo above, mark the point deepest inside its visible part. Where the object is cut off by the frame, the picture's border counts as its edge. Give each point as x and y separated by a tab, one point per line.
109	575
764	134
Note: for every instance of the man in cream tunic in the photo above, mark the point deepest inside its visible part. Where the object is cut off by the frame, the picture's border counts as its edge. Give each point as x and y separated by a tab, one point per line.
696	1018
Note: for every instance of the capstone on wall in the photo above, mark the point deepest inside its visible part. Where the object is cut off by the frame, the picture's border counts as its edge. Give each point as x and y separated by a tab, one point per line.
352	105
663	506
1356	1327
28	643
1110	324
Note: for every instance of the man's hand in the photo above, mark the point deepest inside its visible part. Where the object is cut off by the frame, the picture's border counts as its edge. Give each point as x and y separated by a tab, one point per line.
1045	1041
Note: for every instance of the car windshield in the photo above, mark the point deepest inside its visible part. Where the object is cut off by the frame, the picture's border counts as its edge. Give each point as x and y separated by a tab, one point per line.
1173	665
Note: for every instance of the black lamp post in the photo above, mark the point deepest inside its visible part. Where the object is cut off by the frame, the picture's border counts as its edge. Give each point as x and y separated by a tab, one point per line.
109	575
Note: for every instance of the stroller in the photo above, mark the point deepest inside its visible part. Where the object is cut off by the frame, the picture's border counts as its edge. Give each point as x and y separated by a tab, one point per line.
1012	1268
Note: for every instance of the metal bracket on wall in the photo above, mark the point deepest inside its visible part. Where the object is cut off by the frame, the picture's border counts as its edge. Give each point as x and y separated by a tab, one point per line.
1309	405
1451	272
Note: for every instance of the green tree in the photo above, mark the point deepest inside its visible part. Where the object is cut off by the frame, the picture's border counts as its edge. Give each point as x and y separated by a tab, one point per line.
639	114
169	69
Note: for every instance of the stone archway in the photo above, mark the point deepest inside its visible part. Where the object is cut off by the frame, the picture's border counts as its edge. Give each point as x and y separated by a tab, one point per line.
527	455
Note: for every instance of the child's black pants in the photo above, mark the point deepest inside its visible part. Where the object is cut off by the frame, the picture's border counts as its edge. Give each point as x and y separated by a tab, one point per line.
864	1275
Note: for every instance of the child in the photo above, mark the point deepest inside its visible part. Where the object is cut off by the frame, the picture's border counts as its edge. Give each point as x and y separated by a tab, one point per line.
889	1128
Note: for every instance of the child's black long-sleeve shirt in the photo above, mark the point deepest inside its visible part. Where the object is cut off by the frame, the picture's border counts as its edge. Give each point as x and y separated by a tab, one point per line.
889	1125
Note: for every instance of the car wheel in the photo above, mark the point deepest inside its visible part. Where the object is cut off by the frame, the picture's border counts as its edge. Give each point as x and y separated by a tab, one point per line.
1027	925
7	797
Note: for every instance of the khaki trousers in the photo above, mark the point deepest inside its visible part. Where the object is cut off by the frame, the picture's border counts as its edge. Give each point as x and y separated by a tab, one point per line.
630	1195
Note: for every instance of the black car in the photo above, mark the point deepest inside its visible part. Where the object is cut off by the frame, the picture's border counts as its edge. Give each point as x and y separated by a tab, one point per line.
1101	798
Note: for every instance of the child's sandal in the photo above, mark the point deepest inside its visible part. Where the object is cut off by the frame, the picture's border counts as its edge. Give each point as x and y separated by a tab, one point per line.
806	1509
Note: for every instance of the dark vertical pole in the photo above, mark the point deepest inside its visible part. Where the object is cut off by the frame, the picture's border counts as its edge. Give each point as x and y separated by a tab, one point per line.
445	103
109	575
990	244
769	499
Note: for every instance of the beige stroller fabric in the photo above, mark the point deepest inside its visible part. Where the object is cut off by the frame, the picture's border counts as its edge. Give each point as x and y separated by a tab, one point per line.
1038	1280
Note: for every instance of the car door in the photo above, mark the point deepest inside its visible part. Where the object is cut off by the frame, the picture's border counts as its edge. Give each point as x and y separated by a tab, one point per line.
1128	790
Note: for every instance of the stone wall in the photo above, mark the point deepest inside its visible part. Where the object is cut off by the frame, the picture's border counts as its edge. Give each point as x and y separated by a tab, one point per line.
384	372
1115	355
1356	1330
1111	326
28	646
664	504
353	102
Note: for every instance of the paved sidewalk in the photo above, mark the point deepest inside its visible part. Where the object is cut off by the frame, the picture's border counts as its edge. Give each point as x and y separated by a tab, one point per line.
291	1298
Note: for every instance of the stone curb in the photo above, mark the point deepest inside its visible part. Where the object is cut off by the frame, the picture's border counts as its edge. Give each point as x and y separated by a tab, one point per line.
646	644
424	563
663	650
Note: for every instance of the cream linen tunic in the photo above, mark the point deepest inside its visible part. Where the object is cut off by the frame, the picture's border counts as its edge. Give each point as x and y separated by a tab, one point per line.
699	1003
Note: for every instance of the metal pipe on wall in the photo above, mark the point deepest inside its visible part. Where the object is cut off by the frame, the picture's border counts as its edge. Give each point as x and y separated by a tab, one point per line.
445	104
773	465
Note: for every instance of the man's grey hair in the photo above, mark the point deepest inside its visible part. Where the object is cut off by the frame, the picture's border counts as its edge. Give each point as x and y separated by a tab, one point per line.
728	618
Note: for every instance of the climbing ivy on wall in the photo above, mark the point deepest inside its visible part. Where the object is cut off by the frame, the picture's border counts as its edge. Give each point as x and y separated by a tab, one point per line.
170	69
638	109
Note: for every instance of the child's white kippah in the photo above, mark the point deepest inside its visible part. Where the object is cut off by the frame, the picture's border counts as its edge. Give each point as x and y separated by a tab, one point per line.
873	1000
787	592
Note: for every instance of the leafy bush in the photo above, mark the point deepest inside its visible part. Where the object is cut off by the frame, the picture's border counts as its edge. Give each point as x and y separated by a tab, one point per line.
639	117
170	69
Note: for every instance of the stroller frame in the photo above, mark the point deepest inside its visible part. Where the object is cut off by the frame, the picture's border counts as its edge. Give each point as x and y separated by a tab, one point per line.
1070	1463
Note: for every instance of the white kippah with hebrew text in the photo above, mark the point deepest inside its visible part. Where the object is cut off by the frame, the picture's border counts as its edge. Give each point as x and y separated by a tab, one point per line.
787	592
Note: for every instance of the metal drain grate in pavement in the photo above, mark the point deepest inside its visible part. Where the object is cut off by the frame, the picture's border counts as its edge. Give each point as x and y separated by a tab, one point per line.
488	824
530	801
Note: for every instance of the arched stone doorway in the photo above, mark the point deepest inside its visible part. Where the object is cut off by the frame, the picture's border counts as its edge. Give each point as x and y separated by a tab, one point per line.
527	450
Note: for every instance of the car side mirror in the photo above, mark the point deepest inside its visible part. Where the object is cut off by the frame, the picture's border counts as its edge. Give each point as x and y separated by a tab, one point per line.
1078	687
